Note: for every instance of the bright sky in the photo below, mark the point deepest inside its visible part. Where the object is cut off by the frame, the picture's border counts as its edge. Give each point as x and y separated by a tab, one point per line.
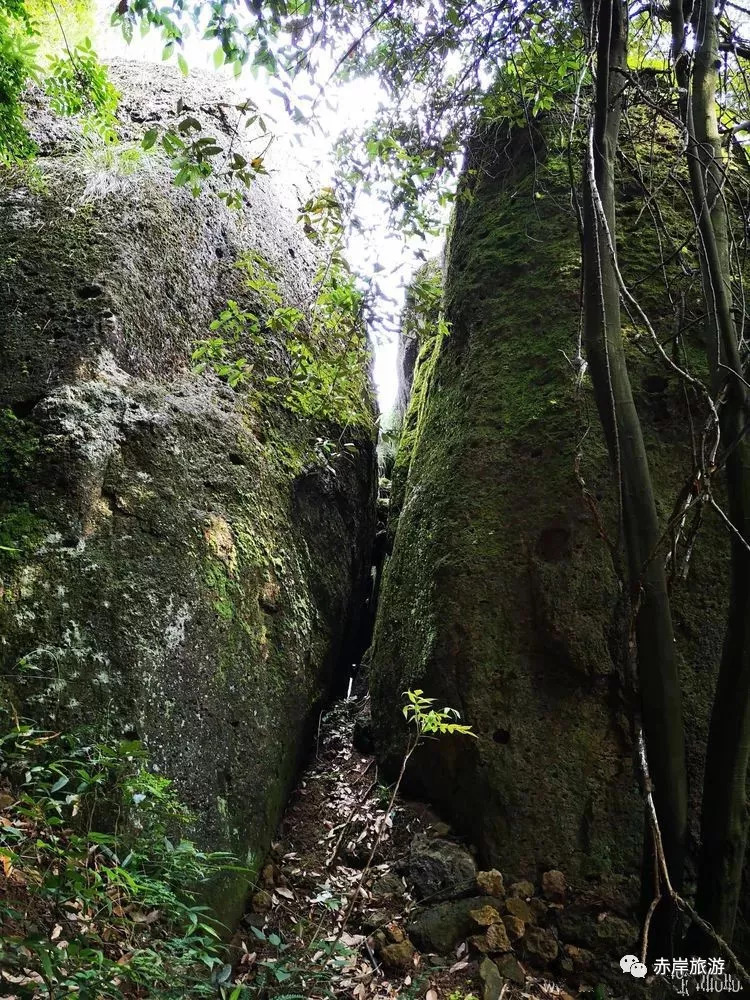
303	169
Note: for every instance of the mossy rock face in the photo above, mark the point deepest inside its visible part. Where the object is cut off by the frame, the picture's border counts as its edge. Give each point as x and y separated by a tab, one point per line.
176	565
500	598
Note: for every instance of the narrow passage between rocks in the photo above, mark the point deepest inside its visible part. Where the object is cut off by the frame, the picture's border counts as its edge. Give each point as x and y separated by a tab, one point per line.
426	923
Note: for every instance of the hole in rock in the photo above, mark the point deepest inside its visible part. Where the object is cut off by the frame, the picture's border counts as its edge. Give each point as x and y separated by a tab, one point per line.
655	383
23	407
554	543
501	736
89	291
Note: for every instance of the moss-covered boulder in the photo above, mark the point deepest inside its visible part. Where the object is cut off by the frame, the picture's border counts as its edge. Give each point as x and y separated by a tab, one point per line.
182	562
500	597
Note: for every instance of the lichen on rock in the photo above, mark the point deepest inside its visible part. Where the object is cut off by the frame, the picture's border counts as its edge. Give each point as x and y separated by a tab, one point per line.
500	597
177	565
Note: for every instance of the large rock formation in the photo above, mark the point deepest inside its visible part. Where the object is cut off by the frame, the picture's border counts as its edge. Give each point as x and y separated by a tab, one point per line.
177	565
500	596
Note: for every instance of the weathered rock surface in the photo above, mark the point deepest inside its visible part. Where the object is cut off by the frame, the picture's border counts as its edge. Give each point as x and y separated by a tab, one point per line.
578	926
439	868
441	927
493	984
554	886
176	565
500	598
541	943
510	968
521	890
491	883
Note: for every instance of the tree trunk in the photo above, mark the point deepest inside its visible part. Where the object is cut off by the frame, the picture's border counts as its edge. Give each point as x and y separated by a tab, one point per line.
723	811
661	703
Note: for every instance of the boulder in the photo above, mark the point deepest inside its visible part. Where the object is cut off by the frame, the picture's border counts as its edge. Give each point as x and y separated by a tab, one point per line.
514	926
539	909
388	885
518	907
479	943
398	955
374	920
580	958
261	901
174	547
500	597
440	868
602	932
510	968
522	889
441	927
497	938
485	916
394	932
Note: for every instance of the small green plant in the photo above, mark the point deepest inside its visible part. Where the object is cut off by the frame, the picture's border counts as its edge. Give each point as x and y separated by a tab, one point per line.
195	156
77	83
425	316
18	65
428	721
279	969
326	359
99	888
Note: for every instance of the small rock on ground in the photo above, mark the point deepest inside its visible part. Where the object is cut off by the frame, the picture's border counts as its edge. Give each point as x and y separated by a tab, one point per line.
492	980
518	907
523	889
485	916
510	968
491	883
515	927
399	955
497	938
541	943
554	886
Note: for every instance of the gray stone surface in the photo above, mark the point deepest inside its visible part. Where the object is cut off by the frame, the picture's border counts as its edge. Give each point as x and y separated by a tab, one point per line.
439	868
185	574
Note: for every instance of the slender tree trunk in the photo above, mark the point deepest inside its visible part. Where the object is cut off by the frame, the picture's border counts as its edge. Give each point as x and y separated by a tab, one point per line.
661	703
724	808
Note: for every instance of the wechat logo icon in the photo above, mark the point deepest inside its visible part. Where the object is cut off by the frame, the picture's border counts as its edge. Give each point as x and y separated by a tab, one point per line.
633	965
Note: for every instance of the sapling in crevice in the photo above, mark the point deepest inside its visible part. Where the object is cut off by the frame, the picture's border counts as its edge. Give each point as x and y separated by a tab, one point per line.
427	722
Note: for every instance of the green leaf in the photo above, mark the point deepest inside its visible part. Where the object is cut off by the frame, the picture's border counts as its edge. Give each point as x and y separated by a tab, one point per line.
222	974
149	139
182	63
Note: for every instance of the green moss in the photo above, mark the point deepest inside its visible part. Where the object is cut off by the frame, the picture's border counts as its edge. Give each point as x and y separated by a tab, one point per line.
19	448
413	418
500	596
204	555
21	532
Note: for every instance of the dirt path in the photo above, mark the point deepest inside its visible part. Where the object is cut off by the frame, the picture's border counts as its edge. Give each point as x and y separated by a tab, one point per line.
290	943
